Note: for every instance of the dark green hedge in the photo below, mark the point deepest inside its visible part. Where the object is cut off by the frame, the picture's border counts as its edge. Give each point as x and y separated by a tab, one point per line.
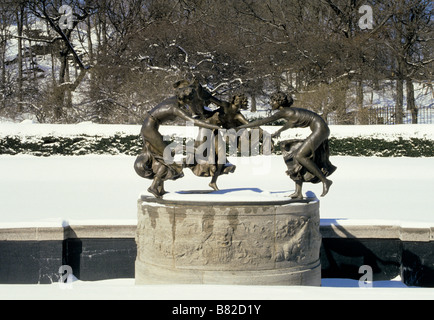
131	145
382	148
81	145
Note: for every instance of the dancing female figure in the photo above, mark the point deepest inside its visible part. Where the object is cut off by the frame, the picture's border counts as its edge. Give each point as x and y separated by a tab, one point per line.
227	116
150	164
307	160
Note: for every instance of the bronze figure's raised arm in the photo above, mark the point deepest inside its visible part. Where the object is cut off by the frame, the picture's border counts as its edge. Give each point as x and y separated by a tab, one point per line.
307	160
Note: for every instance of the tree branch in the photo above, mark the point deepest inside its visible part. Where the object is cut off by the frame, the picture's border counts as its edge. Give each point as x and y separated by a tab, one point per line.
56	28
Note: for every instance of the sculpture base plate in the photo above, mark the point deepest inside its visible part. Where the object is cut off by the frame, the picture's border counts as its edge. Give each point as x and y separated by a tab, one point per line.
308	275
256	243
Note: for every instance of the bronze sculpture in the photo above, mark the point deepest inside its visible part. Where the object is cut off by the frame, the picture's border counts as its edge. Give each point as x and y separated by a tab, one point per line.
307	160
150	164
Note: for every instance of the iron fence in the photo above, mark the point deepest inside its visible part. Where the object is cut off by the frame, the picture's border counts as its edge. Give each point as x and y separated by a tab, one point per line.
382	115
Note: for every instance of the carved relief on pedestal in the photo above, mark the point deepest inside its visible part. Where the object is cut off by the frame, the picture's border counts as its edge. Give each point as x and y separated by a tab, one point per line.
193	242
297	240
215	238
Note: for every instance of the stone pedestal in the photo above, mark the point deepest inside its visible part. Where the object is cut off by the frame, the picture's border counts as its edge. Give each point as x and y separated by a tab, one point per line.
256	243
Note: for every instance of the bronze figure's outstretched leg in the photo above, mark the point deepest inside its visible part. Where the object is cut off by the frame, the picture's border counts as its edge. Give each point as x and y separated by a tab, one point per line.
304	157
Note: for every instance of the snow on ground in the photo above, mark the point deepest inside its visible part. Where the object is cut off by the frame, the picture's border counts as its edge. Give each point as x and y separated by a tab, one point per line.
120	289
61	189
99	189
104	189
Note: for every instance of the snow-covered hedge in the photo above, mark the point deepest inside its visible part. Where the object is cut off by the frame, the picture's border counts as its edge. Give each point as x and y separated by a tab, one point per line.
48	140
413	147
80	145
131	145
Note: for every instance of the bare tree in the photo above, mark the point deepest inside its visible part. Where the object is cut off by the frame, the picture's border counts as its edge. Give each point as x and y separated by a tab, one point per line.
49	11
315	50
410	39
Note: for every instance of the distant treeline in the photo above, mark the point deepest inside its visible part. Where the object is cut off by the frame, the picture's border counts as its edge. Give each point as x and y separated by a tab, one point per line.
108	61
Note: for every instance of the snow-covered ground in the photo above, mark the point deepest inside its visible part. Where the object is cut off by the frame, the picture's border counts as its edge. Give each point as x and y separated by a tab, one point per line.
72	189
103	189
331	289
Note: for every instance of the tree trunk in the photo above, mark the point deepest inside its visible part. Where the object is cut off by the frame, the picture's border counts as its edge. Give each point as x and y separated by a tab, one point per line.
60	91
411	104
89	40
20	23
362	114
253	103
340	98
3	63
68	93
399	107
